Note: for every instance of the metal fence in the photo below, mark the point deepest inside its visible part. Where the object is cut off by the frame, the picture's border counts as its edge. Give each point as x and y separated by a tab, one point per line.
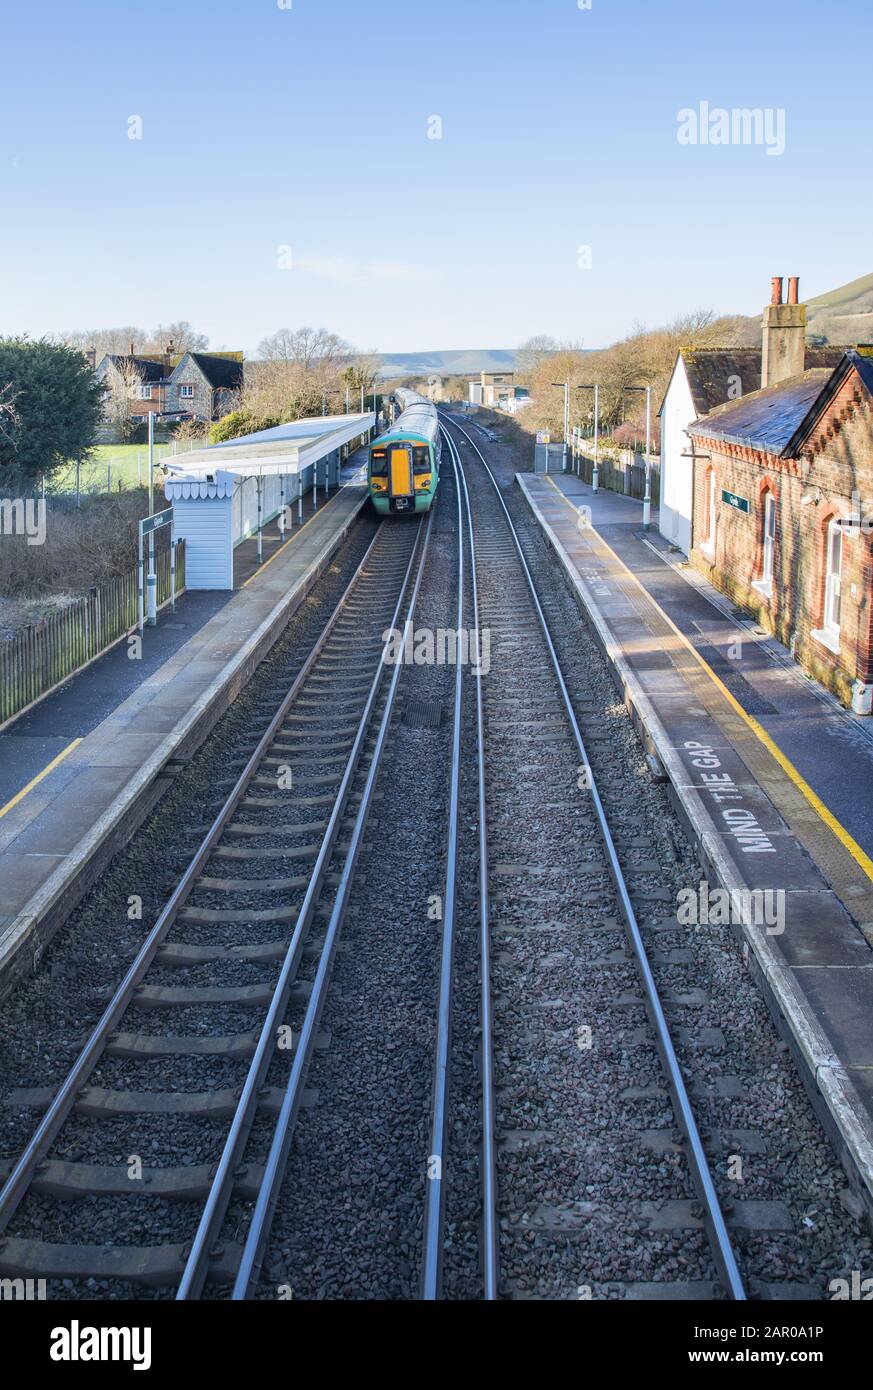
41	656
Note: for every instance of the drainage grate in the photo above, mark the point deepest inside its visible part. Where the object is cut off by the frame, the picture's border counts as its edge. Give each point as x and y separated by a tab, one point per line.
423	714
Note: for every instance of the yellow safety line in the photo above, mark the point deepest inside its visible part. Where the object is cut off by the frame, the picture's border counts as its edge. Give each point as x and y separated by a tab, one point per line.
19	796
815	801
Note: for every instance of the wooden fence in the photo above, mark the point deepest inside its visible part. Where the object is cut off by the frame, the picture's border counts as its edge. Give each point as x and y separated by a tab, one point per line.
625	473
39	657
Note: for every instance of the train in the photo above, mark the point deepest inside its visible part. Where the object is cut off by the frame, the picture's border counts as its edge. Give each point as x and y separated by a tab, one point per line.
403	470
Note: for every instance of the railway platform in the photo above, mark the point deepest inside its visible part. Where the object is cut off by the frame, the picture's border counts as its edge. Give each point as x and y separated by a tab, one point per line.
769	775
84	768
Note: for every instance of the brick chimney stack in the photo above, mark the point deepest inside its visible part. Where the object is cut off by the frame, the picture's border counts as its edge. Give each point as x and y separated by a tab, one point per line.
784	346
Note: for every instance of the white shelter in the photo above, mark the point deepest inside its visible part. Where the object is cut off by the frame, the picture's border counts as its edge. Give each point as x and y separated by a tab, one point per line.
225	494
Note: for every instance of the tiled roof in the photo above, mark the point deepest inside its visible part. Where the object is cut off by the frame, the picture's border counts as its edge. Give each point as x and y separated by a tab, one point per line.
219	371
713	372
145	368
767	419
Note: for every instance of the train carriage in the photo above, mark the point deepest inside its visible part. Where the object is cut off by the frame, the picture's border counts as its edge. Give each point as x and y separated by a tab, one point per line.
404	465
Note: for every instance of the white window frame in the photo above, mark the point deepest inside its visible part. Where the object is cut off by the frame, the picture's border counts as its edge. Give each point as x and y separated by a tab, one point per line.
708	542
833	577
829	632
145	393
764	585
186	393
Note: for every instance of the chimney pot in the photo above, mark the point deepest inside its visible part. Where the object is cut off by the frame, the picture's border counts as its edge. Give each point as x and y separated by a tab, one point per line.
776	289
793	289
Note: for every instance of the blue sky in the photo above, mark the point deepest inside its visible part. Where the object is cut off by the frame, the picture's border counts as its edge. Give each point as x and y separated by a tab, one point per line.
307	127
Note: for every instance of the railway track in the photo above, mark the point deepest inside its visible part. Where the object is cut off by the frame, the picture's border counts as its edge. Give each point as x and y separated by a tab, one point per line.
163	1160
177	1062
530	715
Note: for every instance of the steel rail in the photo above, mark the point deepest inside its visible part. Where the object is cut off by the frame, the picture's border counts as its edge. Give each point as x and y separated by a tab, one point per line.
221	1190
490	1251
283	1134
722	1249
55	1116
435	1190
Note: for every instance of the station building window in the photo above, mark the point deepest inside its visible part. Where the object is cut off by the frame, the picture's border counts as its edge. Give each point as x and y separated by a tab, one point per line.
708	542
829	632
764	583
186	392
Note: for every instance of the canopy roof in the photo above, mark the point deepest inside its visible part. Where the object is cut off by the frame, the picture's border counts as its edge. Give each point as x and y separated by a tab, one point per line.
286	449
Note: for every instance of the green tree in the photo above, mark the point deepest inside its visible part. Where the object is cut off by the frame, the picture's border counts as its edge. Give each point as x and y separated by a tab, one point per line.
57	404
238	423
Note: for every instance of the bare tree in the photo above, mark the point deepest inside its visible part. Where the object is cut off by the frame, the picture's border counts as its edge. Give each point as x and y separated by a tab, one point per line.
119	341
531	353
313	349
122	381
181	334
8	413
112	341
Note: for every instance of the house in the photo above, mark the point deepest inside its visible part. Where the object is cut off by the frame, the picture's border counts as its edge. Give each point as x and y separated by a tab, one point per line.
206	384
704	378
782	516
146	378
493	389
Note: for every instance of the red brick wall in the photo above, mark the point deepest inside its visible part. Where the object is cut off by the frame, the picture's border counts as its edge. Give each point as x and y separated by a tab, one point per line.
839	461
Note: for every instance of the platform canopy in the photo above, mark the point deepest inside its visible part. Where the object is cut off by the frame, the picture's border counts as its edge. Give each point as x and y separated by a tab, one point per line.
284	450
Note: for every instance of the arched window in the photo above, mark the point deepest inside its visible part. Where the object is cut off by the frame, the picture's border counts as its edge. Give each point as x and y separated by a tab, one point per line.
832	565
833	570
708	542
768	542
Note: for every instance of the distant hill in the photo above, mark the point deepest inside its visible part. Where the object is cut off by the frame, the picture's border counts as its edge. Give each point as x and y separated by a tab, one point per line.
464	362
844	315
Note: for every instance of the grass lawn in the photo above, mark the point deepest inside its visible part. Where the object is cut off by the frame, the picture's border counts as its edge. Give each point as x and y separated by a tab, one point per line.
119	465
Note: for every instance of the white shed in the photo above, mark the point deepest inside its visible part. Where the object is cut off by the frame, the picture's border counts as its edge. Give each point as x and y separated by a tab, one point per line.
203	514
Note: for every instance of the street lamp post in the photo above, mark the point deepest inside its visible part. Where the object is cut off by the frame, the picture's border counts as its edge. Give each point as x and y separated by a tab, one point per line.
595	473
566	387
647	494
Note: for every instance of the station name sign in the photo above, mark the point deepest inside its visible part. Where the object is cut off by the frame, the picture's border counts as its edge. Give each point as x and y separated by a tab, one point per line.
733	499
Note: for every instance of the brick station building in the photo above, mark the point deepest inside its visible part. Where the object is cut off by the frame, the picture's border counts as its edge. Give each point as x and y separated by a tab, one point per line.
783	504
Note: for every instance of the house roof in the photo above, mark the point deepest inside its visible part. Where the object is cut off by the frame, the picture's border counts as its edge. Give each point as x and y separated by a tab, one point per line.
218	371
713	372
767	419
851	360
145	368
